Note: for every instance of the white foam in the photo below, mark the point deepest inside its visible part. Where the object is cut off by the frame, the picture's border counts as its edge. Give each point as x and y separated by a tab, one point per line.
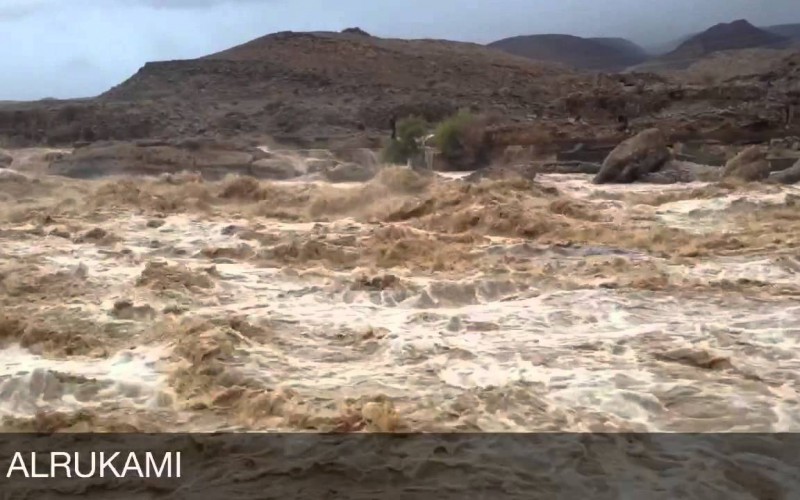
579	351
29	382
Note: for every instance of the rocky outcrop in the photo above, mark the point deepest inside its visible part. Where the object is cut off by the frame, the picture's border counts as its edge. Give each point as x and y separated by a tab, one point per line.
634	158
274	168
749	165
789	176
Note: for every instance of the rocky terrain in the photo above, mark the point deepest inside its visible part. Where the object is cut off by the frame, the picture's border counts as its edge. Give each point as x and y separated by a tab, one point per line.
341	91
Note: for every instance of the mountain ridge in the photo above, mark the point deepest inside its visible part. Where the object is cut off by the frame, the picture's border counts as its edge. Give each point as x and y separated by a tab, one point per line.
606	54
739	34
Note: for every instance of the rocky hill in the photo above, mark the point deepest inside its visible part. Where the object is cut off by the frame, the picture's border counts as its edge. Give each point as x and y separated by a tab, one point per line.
608	54
790	31
722	37
348	80
300	88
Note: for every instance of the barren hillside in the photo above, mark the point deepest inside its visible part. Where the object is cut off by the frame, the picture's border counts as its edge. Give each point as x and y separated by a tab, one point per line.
300	87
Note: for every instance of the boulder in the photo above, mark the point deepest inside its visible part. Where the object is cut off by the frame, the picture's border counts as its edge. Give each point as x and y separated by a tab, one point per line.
749	165
5	159
676	171
789	176
350	172
275	169
636	157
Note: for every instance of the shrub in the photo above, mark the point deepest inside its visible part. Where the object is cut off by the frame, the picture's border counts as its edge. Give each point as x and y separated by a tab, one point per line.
451	133
406	145
460	135
463	141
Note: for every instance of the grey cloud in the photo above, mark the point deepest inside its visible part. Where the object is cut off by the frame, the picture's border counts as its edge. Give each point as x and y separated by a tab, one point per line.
16	9
11	10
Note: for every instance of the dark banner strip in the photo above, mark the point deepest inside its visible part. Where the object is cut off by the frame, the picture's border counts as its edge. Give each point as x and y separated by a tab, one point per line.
384	466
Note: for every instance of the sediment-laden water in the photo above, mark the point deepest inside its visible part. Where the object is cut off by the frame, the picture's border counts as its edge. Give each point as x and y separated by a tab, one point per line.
402	304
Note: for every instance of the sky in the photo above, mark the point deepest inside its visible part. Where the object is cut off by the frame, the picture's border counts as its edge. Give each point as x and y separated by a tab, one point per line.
80	48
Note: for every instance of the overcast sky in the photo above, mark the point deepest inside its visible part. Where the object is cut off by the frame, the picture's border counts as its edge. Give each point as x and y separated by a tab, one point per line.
76	48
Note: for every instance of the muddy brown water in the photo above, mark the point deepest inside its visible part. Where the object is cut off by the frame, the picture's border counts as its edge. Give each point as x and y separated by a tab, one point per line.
484	351
115	316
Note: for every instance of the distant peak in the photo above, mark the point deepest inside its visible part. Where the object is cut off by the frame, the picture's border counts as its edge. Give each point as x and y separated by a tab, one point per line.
739	24
735	35
356	31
